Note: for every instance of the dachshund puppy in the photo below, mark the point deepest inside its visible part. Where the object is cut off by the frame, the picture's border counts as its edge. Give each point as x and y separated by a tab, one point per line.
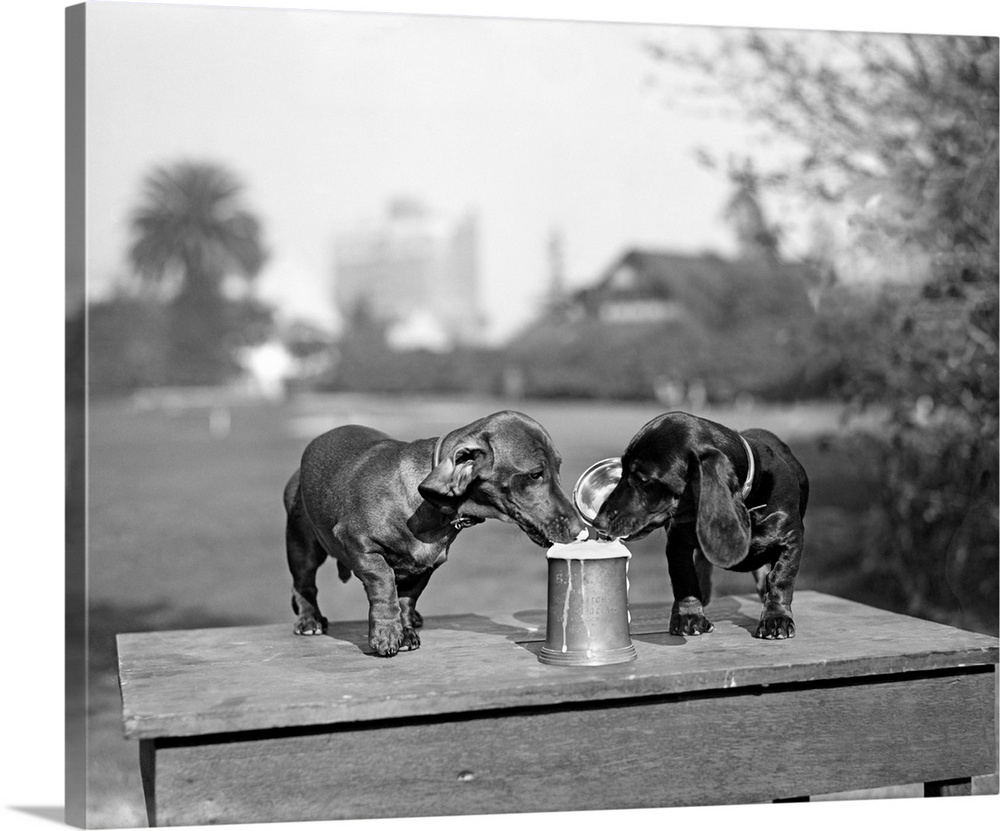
388	511
727	499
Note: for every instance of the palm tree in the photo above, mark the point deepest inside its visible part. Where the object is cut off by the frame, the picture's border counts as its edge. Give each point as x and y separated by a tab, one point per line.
191	232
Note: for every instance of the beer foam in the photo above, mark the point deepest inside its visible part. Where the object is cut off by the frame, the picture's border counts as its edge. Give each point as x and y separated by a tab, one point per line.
587	550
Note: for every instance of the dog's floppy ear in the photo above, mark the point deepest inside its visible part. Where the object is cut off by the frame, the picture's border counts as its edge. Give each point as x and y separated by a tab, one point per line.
469	459
723	522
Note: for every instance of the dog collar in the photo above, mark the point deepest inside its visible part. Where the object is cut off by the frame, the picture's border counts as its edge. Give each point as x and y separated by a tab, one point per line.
751	470
459	522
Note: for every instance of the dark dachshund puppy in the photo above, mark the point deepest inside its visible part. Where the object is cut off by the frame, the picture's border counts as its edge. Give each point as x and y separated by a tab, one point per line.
388	510
727	499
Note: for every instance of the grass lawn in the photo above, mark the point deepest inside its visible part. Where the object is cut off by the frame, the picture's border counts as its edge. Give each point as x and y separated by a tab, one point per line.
186	528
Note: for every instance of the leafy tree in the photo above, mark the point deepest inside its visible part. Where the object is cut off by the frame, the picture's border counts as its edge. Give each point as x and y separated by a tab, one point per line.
191	232
911	119
899	132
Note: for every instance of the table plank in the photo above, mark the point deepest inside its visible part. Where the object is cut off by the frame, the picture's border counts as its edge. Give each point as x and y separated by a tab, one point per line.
785	742
196	682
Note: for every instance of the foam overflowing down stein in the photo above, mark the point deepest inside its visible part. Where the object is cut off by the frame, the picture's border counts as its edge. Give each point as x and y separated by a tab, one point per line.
588	619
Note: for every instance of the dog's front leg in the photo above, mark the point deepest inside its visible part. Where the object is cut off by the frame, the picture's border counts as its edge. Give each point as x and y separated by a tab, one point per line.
687	617
385	628
776	616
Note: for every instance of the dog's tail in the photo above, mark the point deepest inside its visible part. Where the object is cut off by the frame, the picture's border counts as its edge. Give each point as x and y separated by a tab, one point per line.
290	492
343	572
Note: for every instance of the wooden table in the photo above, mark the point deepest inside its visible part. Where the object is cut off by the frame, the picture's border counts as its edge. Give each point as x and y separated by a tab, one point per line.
254	724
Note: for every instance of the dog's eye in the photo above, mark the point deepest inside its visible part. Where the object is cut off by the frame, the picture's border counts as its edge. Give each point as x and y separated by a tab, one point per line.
537	474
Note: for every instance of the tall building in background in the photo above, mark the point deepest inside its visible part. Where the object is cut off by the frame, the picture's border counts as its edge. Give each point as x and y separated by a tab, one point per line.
415	272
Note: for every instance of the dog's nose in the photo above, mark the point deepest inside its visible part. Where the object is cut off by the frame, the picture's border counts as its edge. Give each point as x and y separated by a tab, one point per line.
566	528
603	520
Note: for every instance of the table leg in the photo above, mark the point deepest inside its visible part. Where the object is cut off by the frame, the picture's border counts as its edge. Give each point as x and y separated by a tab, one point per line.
147	770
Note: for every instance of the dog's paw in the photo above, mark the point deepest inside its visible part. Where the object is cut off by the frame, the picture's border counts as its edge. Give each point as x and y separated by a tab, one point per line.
775	625
385	637
310	625
690	625
688	618
411	640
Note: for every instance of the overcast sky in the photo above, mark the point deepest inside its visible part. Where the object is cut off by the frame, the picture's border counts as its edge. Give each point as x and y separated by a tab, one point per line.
534	125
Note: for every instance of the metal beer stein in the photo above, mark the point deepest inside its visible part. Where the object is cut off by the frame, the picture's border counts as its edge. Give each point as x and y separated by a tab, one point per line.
588	618
587	621
594	486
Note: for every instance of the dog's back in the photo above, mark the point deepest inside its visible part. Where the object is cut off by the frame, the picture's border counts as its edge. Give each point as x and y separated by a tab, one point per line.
324	455
340	455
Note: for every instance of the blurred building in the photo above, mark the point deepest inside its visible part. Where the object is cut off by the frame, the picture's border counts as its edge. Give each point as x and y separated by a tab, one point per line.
414	274
644	286
685	328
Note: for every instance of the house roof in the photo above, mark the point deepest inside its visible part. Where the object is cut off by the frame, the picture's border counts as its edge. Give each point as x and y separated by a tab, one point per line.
706	284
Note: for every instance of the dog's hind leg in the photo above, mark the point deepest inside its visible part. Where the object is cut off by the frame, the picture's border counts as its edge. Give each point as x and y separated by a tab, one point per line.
779	582
760	580
305	556
409	589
